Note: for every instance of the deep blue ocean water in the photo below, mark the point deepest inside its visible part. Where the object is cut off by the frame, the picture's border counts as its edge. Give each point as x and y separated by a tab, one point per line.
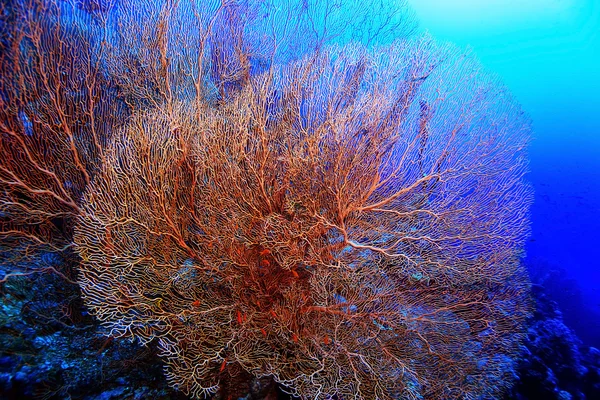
548	53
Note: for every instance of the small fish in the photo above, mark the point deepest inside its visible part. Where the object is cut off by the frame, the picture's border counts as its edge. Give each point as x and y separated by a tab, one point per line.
265	252
239	317
265	263
196	303
263	332
223	365
295	338
326	340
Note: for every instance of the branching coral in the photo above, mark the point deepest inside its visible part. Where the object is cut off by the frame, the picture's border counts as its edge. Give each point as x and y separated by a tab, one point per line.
321	228
345	219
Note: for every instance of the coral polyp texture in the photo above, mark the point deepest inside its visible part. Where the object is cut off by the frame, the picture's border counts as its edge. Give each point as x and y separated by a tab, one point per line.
344	217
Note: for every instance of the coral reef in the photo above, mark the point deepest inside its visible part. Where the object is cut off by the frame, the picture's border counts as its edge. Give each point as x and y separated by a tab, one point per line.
554	363
292	193
49	355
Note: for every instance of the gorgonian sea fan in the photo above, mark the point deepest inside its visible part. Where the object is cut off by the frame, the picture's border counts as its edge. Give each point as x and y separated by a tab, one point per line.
349	224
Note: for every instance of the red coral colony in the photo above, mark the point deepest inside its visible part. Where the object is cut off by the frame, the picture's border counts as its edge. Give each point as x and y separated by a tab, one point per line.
296	191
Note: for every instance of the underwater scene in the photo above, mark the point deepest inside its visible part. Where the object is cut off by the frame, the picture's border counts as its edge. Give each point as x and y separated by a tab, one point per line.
299	199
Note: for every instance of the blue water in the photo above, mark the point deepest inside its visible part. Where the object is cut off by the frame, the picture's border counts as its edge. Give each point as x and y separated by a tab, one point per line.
548	53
